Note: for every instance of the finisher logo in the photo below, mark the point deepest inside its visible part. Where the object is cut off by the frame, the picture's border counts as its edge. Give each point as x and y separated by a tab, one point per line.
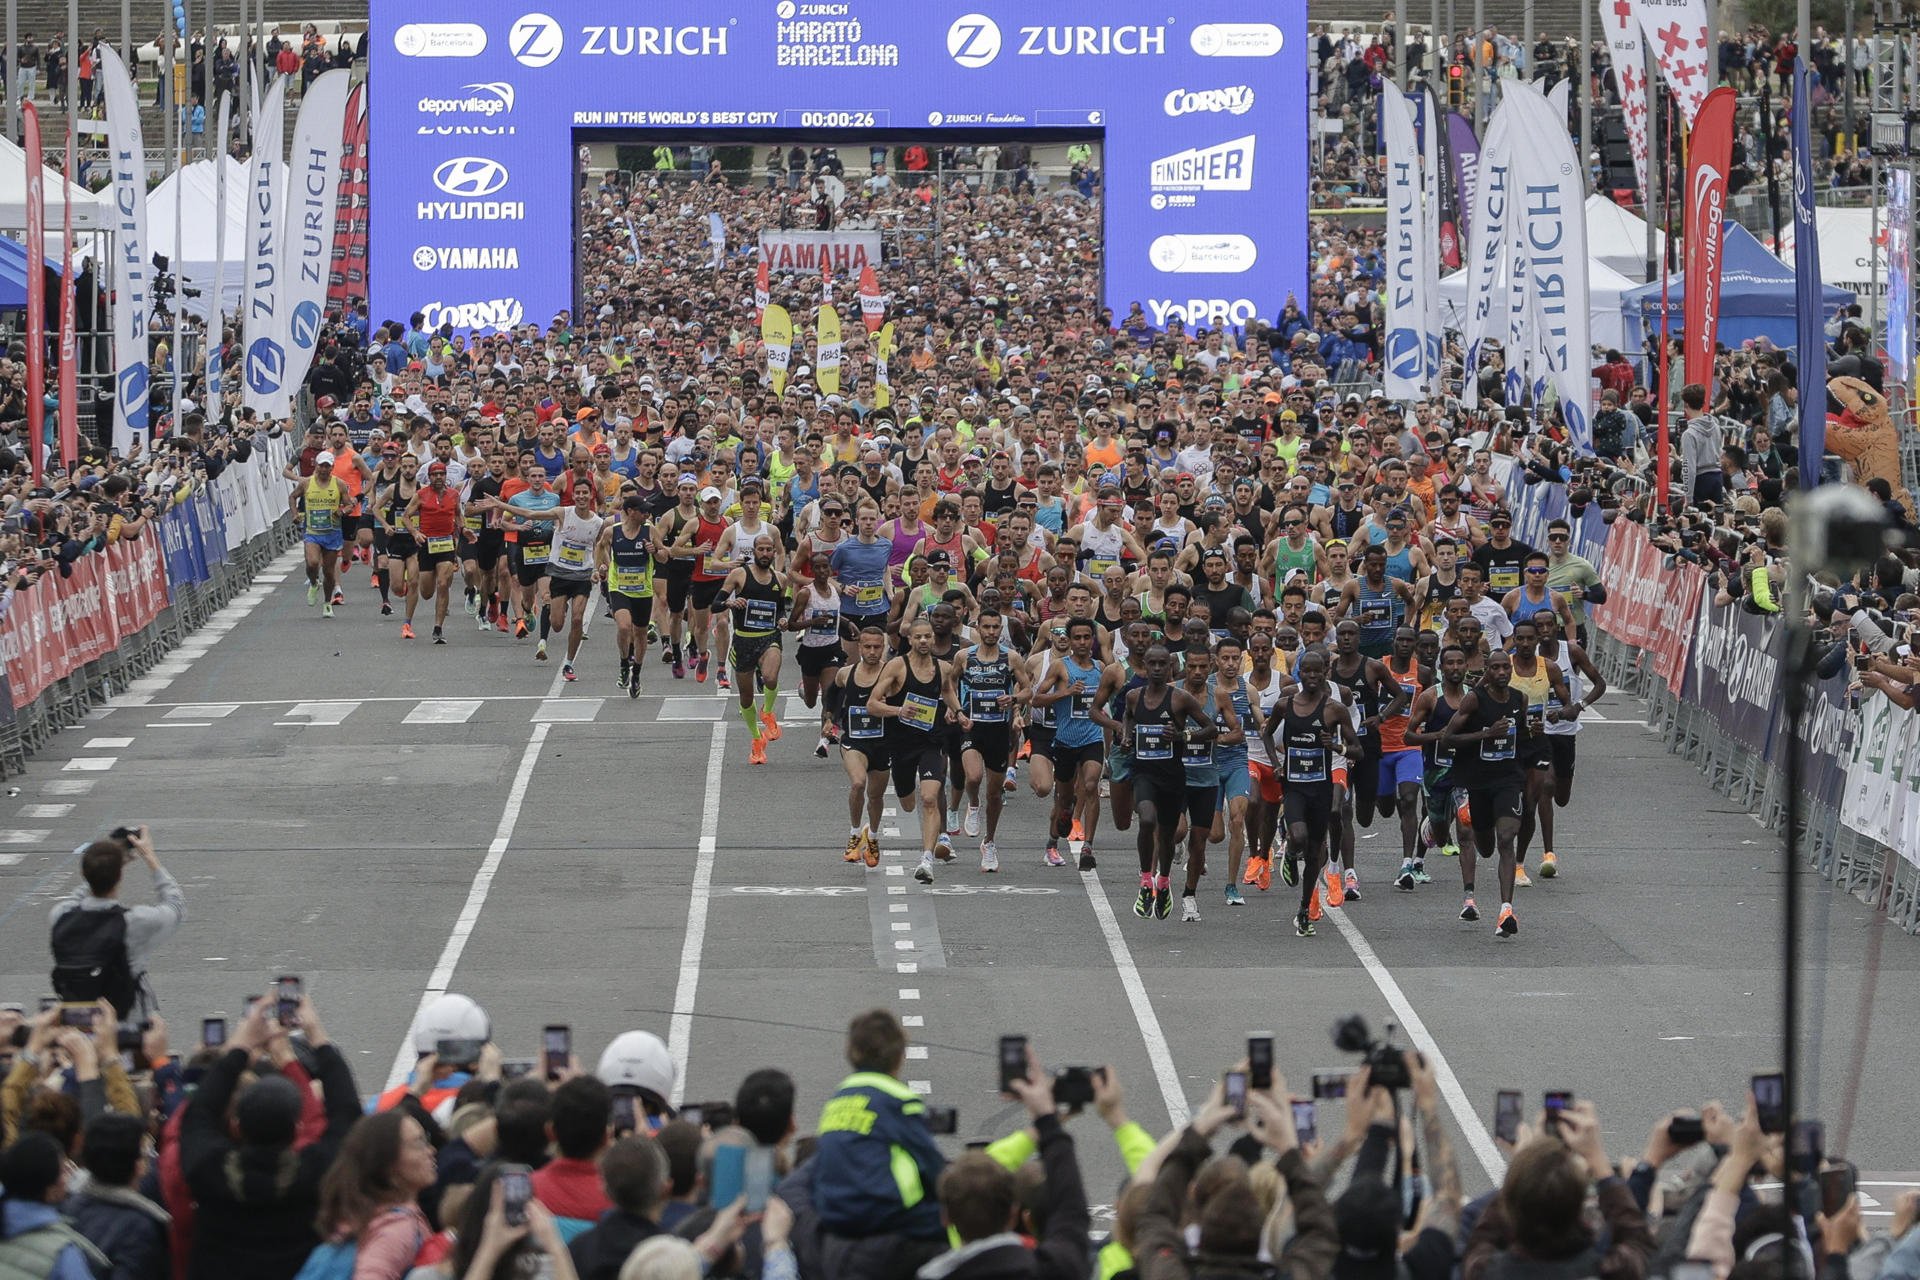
1225	167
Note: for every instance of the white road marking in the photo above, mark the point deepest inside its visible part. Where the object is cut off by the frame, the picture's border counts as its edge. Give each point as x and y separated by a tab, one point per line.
34	836
687	990
179	724
916	1052
920	1086
68	786
443	711
89	764
1491	1162
1159	1054
690	709
913	1020
476	899
9	859
203	710
907	966
104	744
568	710
45	810
317	714
909	993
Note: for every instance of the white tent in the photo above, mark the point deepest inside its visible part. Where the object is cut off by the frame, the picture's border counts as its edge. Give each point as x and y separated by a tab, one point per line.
195	267
1847	249
90	212
1618	237
1608	328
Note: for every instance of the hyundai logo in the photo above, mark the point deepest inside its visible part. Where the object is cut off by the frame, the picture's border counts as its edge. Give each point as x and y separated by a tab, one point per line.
266	365
973	40
535	40
305	327
133	390
470	177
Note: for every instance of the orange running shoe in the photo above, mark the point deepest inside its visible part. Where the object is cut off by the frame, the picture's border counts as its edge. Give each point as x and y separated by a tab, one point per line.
855	844
1336	891
1313	904
1026	749
770	725
1078	832
873	850
406	631
1266	874
759	753
1252	874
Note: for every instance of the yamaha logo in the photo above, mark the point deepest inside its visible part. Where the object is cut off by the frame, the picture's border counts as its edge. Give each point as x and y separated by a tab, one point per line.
305	325
470	177
423	258
973	40
535	40
266	366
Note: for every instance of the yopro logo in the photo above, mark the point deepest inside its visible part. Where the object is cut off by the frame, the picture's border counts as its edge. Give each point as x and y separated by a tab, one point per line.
1227	166
1199	311
470	177
536	40
1187	102
973	40
266	366
495	313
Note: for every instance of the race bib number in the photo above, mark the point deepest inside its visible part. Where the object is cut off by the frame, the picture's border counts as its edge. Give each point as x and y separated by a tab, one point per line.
989	706
824	625
630	582
1501	748
439	546
537	553
861	724
1443	757
918	712
474	523
1504	579
1080	707
1197	755
761	615
1099	565
1152	742
322	520
573	557
871	594
716	566
1306	764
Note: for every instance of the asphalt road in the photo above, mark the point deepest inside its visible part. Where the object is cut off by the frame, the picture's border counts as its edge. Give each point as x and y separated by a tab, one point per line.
391	818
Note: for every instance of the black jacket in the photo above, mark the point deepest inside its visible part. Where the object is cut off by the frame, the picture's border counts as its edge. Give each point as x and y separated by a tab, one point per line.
256	1205
127	1227
600	1251
1061	1252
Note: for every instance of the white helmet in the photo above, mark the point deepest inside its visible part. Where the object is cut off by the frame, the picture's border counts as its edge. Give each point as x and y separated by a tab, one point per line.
450	1017
638	1059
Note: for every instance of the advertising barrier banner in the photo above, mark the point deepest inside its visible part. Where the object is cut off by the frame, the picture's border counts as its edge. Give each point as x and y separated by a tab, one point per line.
847	252
1882	800
1737	671
1647	606
60	624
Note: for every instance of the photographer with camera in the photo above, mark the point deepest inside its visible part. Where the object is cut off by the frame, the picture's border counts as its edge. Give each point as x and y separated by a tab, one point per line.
100	946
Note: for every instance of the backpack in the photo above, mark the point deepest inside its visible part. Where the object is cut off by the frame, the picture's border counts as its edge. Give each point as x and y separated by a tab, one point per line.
331	1261
90	959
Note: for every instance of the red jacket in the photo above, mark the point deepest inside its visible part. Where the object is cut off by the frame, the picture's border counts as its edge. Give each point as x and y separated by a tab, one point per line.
571	1189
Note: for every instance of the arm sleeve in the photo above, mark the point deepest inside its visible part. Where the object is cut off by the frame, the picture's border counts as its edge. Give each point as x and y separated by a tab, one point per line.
1135	1144
1013	1150
1316	1237
1063	1250
1712	1236
1376	1153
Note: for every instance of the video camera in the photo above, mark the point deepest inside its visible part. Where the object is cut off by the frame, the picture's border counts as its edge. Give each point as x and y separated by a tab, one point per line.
1386	1062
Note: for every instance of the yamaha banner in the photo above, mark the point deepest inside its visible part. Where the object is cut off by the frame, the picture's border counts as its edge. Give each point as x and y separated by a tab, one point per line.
313	211
1709	156
1812	359
263	293
1407	248
127	167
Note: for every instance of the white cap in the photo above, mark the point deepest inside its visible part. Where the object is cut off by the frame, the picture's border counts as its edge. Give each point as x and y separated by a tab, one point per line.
324	458
639	1060
450	1017
710	493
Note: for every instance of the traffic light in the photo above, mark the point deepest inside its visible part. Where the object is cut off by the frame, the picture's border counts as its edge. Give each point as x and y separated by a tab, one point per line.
1457	87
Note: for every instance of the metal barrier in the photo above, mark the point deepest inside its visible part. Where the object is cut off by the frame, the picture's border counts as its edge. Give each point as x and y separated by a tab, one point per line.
1865	868
66	701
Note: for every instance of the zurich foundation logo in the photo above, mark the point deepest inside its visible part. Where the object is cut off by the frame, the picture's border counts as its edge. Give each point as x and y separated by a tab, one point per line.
306	325
266	366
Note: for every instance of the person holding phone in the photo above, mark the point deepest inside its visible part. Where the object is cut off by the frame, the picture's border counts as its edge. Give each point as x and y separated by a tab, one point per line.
93	931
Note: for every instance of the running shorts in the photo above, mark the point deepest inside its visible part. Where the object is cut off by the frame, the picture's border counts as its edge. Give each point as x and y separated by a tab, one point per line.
1561	746
638	608
1067	760
874	750
704	594
1235	781
994	742
679	585
1490	804
530	574
745	652
431	560
1165	790
1267	779
915	762
484	550
1203	803
818	659
1311	808
1119	763
1400	768
1040	738
1439	790
559	588
329	541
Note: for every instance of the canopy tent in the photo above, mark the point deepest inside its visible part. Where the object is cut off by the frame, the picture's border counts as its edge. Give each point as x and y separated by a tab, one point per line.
194	270
1847	249
1618	238
13	275
91	212
1604	287
1756	297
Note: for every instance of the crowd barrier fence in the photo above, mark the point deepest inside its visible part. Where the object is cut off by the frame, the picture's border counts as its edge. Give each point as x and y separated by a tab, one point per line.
72	642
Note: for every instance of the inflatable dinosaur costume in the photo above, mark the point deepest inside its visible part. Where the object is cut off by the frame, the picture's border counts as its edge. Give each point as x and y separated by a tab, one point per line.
1863	434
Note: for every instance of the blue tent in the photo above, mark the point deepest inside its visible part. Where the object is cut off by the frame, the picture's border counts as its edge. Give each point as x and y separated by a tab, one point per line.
13	275
1756	297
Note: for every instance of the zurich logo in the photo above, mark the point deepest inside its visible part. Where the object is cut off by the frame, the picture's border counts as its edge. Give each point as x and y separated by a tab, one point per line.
470	177
133	387
1403	353
535	40
306	325
973	40
266	365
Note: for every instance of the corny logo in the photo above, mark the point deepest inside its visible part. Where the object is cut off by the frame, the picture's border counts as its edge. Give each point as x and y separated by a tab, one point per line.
495	313
1186	102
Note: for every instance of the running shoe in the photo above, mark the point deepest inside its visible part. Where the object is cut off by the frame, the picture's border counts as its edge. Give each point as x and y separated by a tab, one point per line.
1302	926
406	631
1266	874
626	669
386	609
1465	815
924	872
1289	870
1233	896
1087	862
953	821
832	732
1313	904
339	596
989	857
971	823
726	685
872	854
438	636
1521	880
1143	905
819	748
483	622
679	668
1468	911
633	684
770	726
1163	903
1252	874
653	633
505	625
540	651
1078	832
1053	858
520	629
1011	782
1420	875
1336	888
1405	881
326	610
566	672
1353	884
700	669
313	594
943	847
473	606
855	844
1189	910
1549	865
1508	924
758	753
1449	850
